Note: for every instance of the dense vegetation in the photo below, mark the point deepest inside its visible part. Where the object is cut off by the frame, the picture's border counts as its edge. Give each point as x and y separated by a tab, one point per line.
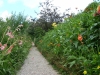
71	45
74	45
14	45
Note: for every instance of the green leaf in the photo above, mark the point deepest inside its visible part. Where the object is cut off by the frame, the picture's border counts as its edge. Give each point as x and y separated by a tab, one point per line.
72	63
72	57
76	44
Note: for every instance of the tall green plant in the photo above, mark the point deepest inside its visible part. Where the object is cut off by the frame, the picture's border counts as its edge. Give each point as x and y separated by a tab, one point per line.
14	46
17	19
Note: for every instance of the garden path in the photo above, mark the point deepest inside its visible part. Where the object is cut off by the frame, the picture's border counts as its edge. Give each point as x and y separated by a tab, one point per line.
36	64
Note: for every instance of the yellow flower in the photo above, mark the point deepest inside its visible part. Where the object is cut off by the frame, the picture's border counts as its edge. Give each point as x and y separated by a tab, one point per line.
98	67
85	72
53	24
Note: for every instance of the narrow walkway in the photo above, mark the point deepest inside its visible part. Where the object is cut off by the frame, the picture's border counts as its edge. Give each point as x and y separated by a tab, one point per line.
36	64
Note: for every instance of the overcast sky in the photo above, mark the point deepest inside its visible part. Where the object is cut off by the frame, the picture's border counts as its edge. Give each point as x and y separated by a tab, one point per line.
28	6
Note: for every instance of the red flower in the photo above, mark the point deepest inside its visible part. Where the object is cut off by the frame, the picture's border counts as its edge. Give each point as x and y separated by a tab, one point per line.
80	38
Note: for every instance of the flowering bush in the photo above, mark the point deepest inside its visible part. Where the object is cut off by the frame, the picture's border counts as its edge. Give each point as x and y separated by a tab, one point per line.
74	45
13	48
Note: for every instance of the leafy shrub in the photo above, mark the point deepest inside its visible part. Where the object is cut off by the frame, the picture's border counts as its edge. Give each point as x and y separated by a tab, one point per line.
70	45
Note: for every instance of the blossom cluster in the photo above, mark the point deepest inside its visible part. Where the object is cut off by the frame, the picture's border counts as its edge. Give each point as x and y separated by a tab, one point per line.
10	35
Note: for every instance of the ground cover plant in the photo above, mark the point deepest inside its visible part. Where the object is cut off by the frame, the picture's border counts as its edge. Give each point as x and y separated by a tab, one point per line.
74	46
14	45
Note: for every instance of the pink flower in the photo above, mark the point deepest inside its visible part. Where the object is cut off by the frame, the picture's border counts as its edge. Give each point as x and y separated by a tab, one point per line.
20	42
2	47
10	34
5	45
10	49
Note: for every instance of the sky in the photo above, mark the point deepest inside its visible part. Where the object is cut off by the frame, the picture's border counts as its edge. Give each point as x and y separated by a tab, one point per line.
29	6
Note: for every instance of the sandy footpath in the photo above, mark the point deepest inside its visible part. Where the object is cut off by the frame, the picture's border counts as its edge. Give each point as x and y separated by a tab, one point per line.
36	64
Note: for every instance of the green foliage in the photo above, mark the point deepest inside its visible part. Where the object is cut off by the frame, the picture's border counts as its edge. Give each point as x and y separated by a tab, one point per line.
14	45
74	44
17	19
35	31
91	7
95	32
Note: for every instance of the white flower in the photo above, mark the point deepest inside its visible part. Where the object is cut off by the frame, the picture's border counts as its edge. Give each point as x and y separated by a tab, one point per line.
20	25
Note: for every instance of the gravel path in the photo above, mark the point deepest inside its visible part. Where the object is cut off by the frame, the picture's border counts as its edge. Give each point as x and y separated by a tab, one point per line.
36	64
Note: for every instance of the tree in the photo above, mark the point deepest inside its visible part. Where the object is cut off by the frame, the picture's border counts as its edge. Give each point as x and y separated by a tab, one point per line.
48	15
